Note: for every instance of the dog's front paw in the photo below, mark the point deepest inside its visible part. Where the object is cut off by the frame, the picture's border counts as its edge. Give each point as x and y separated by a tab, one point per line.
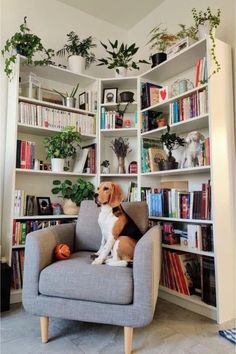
97	261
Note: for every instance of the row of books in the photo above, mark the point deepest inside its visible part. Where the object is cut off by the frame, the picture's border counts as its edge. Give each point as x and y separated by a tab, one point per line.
189	107
88	100
205	156
150	94
189	274
201	72
149	120
40	116
25	154
17	263
174	203
114	120
132	195
22	228
151	151
188	236
86	160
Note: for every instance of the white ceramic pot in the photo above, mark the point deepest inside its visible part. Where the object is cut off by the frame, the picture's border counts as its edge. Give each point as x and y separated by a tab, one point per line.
76	64
57	165
122	72
204	29
70	208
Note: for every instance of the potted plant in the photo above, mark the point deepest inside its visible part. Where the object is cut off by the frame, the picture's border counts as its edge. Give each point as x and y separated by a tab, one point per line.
160	40
26	44
73	194
79	52
120	146
171	142
105	166
206	24
69	99
185	32
120	58
60	146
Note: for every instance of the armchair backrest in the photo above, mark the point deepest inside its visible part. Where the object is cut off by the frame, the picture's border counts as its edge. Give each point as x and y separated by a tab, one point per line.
88	234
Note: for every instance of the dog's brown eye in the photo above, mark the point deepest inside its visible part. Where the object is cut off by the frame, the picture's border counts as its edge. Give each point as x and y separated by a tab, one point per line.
106	188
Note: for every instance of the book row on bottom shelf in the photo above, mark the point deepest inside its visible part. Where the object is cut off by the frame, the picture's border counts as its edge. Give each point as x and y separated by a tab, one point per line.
17	264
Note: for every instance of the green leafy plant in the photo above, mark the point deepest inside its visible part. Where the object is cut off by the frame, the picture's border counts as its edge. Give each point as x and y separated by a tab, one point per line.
62	144
171	142
77	192
120	56
185	31
81	47
160	39
26	44
67	94
120	146
214	21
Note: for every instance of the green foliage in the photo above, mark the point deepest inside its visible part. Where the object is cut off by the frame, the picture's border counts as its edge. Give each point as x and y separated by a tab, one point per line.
171	141
77	46
160	39
77	192
185	31
214	21
26	44
67	94
120	146
120	56
63	144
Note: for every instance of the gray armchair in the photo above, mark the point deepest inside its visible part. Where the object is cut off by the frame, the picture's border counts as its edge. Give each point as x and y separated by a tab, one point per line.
75	289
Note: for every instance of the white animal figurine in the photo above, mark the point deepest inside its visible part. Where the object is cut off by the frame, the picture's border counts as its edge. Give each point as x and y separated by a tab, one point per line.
193	150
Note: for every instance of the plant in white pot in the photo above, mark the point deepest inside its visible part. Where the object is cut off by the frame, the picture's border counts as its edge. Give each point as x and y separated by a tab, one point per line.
69	99
120	58
79	52
61	146
73	194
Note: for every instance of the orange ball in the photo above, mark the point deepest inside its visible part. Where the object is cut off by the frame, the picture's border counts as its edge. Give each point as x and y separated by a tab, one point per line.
62	251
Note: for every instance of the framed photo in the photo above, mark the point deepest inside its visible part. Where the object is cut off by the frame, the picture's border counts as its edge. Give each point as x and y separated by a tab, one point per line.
44	205
110	95
82	100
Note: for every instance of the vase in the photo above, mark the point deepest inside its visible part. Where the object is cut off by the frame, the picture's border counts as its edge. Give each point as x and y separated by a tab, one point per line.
122	72
204	30
70	208
57	165
69	101
76	63
121	164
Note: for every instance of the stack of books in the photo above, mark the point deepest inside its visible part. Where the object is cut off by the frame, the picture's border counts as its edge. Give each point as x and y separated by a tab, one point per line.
201	72
150	94
86	160
17	263
25	154
151	151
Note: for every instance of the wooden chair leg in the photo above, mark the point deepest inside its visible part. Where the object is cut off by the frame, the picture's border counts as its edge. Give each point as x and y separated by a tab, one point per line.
44	321
128	334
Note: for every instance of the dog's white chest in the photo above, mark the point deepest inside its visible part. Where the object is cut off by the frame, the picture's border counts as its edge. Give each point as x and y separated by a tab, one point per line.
106	220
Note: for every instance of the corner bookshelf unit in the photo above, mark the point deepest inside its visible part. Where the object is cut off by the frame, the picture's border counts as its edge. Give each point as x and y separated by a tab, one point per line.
215	123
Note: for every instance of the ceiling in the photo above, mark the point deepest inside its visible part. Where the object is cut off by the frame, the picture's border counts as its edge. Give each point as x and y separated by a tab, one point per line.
122	13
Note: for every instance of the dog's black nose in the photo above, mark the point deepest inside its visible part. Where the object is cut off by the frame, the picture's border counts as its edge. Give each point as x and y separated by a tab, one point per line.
95	195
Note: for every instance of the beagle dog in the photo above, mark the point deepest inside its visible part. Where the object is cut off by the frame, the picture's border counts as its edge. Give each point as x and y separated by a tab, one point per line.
119	232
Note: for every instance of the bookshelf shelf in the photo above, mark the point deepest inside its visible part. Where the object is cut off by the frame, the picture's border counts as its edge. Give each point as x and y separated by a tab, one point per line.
50	173
125	132
188	250
41	131
162	105
110	105
190	221
119	175
180	171
46	217
15	247
195	123
56	106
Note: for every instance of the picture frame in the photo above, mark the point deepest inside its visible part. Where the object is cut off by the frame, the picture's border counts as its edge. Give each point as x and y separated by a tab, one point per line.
44	205
110	95
82	100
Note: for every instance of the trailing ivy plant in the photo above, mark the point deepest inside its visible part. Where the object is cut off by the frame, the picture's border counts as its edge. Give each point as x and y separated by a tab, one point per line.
26	44
77	192
120	56
81	47
214	20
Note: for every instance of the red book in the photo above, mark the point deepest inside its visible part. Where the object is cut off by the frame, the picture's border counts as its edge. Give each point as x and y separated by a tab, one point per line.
175	273
203	202
197	72
184	207
171	271
28	151
23	154
182	279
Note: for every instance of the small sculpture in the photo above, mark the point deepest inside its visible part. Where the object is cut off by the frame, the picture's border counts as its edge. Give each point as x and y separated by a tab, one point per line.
193	150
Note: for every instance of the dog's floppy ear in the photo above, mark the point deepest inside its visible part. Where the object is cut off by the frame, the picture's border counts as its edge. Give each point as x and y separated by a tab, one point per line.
201	136
116	195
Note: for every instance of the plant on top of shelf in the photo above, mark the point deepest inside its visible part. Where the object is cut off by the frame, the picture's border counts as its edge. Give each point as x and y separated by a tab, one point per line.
26	44
73	194
69	99
160	40
171	142
79	52
206	24
120	58
185	31
120	146
62	145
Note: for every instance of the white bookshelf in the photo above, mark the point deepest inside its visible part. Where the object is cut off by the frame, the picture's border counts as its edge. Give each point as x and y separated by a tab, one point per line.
51	173
218	123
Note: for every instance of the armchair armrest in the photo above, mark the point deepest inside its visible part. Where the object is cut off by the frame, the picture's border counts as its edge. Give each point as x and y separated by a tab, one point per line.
39	253
146	271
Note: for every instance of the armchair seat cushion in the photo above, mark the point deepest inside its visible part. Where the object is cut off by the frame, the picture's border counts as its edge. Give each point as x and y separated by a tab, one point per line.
76	278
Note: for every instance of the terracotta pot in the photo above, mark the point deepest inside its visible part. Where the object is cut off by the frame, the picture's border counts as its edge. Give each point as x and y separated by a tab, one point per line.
70	208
